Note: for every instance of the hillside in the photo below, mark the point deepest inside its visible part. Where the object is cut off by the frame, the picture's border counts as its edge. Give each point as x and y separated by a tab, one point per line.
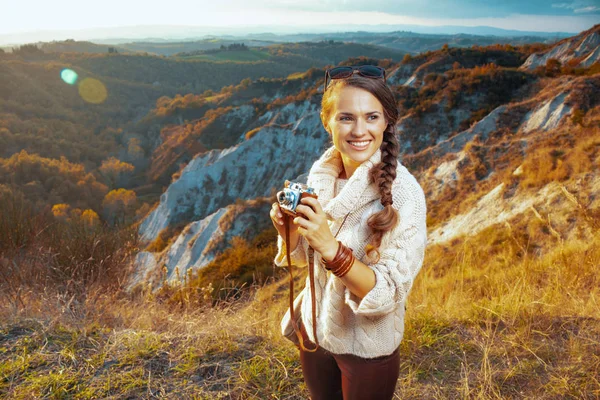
305	54
73	46
46	116
582	50
459	132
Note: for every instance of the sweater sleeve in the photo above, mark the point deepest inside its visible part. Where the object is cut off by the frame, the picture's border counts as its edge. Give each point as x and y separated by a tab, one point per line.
401	259
298	256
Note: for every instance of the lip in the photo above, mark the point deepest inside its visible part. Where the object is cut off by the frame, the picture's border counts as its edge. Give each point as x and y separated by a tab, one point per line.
360	148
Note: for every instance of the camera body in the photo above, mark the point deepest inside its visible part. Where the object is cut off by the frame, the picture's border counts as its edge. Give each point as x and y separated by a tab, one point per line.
290	196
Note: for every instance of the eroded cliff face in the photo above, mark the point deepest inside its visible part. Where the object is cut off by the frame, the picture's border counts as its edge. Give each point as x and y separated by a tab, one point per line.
582	50
283	149
200	241
501	144
226	193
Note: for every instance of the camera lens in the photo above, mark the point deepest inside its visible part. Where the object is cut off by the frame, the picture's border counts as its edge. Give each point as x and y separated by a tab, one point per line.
281	197
287	198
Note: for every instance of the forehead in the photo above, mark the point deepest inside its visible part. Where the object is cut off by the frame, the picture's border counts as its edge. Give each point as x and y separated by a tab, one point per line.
354	100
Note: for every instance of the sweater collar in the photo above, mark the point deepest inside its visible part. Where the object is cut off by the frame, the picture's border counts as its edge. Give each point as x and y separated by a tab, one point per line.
358	191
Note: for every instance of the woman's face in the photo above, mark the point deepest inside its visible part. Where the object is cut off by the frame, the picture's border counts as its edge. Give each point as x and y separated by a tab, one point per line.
356	123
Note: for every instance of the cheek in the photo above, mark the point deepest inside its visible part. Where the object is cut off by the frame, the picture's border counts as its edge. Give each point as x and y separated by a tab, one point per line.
339	132
380	130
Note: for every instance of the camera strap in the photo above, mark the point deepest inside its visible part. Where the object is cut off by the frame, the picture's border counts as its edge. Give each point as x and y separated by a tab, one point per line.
287	220
311	277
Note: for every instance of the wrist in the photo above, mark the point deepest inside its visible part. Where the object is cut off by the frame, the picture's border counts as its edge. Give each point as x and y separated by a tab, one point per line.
342	261
330	251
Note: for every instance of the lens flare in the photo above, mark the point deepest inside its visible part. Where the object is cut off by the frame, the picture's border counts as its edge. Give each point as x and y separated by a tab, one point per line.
69	76
92	90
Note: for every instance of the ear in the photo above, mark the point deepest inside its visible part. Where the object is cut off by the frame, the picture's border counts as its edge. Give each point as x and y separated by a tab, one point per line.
325	123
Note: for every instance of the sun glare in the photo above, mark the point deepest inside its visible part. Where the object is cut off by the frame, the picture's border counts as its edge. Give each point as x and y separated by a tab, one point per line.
92	90
69	76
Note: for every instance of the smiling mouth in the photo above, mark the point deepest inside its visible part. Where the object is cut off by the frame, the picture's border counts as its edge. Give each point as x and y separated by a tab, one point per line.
359	144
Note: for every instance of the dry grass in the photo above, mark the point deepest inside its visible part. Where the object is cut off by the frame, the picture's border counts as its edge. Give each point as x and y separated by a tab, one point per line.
485	320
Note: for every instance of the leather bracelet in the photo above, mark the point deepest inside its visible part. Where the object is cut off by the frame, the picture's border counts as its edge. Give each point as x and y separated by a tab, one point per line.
345	268
337	262
337	257
342	262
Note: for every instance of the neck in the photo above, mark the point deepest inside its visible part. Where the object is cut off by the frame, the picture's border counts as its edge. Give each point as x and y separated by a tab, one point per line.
349	167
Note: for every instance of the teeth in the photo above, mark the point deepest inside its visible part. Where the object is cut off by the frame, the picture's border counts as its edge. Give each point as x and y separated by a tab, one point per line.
359	144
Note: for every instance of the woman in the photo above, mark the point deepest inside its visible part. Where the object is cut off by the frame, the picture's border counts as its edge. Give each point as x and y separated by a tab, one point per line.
377	209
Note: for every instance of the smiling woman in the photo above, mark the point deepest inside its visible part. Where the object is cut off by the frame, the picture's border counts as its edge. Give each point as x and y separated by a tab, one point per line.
364	272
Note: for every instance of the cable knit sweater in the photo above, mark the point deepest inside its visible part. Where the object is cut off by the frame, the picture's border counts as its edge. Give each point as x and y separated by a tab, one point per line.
373	326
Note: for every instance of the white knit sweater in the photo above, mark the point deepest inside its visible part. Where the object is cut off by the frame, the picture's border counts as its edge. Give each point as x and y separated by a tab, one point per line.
373	326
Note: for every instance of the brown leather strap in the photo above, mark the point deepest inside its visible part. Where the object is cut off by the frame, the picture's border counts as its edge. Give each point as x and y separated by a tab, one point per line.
311	275
287	220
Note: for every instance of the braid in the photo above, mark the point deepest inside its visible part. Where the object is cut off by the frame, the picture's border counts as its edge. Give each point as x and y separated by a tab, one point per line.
383	175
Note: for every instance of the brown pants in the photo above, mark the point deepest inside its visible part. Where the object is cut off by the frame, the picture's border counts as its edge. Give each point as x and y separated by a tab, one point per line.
331	376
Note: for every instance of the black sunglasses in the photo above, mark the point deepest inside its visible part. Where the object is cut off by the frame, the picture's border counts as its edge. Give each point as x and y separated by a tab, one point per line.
368	71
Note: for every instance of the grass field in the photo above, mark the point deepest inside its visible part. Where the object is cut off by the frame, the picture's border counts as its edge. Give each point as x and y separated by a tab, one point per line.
484	321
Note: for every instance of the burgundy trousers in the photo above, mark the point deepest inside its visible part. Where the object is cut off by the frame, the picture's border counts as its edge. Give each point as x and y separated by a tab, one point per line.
331	376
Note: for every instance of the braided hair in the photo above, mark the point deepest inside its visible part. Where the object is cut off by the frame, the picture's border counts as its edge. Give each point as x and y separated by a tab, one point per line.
384	173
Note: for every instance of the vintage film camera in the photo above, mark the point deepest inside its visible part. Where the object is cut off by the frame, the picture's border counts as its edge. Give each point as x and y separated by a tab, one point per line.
290	196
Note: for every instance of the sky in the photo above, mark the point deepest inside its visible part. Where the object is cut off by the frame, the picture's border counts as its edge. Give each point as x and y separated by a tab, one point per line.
529	15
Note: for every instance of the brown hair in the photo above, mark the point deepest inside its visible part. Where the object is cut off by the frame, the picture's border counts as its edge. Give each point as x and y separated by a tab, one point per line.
384	173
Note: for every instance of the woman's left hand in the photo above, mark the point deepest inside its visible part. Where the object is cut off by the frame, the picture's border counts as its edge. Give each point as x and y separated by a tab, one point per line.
313	226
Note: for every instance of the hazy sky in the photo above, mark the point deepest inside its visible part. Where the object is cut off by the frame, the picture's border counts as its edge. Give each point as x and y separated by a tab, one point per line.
531	15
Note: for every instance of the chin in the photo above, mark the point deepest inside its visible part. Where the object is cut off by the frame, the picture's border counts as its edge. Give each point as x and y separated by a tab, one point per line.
360	156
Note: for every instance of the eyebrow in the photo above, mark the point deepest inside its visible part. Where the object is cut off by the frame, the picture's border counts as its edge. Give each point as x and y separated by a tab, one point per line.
349	113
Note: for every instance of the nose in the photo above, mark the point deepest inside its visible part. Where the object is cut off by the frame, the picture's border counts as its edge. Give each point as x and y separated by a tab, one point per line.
360	128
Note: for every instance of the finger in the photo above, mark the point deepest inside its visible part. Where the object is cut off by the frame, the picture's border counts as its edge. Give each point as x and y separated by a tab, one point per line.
306	211
277	209
276	216
313	203
303	223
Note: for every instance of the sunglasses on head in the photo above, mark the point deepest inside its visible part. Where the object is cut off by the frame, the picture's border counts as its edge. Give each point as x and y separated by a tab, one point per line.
368	71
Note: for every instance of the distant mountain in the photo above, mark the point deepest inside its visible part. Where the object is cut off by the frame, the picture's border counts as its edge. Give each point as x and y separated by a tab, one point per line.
404	41
164	33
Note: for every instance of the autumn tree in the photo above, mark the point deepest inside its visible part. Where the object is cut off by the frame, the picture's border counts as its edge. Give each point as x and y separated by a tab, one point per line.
61	211
116	172
52	181
119	206
90	219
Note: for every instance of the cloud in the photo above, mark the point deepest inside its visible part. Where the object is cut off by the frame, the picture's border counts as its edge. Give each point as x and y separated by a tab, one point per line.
443	8
590	9
579	6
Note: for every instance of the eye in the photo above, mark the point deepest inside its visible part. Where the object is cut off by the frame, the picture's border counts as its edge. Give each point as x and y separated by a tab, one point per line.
345	118
373	116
